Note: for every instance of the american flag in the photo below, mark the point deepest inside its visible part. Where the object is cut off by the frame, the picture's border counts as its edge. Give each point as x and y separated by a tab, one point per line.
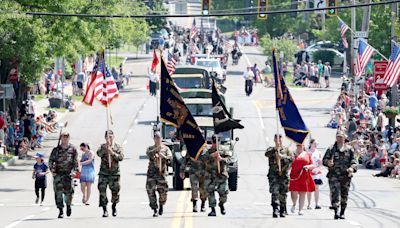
343	29
171	63
227	45
102	85
364	53
193	31
392	73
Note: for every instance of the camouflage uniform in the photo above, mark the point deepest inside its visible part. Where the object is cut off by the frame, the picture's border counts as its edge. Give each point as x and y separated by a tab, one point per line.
109	176
63	163
196	176
338	177
278	182
215	181
157	175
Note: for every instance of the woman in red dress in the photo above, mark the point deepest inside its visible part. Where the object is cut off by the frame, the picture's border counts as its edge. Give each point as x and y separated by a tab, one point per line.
301	181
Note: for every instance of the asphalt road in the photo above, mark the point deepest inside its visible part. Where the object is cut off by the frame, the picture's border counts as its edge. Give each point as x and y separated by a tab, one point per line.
373	201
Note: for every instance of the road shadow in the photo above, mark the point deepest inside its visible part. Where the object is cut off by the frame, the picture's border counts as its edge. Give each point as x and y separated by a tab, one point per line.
235	73
14	190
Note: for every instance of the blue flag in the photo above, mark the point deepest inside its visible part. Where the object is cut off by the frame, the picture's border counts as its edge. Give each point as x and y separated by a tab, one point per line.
289	115
174	111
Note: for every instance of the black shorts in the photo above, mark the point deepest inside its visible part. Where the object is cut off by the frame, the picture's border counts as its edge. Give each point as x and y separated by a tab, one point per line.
326	77
40	183
318	182
80	85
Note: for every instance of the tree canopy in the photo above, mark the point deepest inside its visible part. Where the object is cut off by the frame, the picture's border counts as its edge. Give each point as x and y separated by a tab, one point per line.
33	41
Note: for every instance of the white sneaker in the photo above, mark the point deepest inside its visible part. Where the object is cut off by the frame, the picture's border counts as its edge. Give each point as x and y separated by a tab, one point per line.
300	213
293	209
41	203
37	201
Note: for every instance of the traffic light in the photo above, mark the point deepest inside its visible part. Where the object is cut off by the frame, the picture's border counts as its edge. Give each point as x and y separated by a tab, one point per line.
262	9
205	7
331	12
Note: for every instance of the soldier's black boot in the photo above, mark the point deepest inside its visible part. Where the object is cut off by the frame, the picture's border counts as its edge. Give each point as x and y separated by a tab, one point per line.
161	210
61	213
155	213
69	211
336	216
282	211
275	211
194	205
342	210
203	206
221	206
212	213
114	209
105	212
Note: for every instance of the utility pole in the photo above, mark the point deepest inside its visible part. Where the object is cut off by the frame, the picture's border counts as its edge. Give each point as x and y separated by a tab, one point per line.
366	17
393	90
352	43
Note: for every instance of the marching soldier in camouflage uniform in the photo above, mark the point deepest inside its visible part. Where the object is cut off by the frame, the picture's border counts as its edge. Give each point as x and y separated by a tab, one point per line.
110	154
341	165
63	164
159	156
216	180
278	181
197	179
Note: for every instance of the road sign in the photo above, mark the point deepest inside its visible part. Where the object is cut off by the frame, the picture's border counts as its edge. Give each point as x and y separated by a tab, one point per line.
361	34
262	9
379	71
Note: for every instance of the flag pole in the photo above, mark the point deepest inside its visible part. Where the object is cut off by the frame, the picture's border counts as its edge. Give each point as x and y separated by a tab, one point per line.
277	112
107	105
378	52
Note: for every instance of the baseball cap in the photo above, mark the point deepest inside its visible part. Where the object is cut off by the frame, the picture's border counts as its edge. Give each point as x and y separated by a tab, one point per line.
39	155
65	133
341	133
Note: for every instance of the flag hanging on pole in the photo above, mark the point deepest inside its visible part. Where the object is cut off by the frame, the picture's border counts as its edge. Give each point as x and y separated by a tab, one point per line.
102	85
174	111
364	54
289	115
222	118
193	31
392	73
155	61
343	29
171	63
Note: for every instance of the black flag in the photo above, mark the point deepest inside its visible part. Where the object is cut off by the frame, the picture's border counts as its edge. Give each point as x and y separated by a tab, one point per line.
222	118
174	111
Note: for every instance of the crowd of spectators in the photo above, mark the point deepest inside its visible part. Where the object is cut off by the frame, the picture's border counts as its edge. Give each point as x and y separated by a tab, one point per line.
28	131
376	143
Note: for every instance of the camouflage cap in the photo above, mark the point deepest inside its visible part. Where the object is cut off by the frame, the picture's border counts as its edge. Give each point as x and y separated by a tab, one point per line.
341	133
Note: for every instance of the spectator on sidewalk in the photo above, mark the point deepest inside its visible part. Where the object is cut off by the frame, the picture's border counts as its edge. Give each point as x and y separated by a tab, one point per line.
327	73
40	170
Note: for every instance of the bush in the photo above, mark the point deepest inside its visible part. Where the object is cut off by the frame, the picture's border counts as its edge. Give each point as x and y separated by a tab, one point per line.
324	56
289	47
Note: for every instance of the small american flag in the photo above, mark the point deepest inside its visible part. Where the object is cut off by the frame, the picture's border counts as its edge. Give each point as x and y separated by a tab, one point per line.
171	63
102	85
343	29
193	31
227	45
392	73
364	54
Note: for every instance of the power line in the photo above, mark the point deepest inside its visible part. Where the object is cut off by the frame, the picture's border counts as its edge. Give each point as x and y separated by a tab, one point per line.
285	11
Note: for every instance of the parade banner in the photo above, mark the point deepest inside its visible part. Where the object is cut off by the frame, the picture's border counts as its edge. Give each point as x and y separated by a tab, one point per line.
174	111
222	118
289	115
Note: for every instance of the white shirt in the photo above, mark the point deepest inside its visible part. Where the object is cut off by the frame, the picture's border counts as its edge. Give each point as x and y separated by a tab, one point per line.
317	162
153	77
248	75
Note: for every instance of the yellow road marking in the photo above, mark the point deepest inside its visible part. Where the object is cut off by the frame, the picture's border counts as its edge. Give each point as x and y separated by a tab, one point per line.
181	216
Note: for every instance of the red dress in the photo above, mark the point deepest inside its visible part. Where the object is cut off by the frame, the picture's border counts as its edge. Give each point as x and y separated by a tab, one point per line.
301	179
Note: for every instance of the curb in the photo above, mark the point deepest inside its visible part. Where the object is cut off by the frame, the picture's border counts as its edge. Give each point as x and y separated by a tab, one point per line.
10	162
